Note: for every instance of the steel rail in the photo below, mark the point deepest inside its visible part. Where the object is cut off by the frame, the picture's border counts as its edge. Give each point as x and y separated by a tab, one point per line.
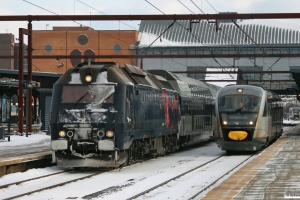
171	179
55	185
31	179
77	179
215	181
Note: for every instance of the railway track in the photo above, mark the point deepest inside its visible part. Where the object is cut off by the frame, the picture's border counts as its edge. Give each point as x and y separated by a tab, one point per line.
198	193
68	171
31	179
215	181
51	186
97	194
183	174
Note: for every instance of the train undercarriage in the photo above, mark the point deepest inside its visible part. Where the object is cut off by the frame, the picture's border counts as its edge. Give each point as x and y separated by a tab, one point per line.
87	155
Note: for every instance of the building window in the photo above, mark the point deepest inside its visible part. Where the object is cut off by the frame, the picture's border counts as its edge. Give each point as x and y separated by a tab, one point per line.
87	53
82	39
117	48
75	60
48	48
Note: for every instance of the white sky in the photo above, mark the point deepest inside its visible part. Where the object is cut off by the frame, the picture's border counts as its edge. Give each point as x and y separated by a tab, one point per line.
121	7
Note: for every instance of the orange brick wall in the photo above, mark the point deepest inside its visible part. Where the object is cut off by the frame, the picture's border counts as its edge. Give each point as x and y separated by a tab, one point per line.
63	42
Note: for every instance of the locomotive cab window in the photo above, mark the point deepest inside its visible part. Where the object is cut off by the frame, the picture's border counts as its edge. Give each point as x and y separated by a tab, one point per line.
98	94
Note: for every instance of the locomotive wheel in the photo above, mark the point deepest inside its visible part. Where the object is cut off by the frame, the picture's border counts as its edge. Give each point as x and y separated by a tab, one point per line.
131	154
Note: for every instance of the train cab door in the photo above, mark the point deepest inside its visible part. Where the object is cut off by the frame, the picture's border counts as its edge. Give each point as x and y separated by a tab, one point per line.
129	107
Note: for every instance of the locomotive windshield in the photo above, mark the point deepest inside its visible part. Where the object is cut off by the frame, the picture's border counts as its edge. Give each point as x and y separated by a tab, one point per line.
239	109
87	94
89	103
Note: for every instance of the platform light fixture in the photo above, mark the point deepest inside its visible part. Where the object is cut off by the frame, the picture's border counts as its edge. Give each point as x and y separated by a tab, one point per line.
240	90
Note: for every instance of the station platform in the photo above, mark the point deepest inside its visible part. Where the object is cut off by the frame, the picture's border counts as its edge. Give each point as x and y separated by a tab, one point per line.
272	174
24	162
22	153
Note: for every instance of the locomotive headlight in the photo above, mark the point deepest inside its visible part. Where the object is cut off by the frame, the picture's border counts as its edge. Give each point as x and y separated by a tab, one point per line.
109	134
88	78
224	122
62	133
240	90
251	122
70	133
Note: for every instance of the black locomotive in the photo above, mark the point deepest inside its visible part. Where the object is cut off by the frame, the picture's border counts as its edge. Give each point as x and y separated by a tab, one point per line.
104	115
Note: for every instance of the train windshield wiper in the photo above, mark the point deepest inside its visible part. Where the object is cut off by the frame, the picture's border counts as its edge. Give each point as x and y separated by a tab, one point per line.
78	100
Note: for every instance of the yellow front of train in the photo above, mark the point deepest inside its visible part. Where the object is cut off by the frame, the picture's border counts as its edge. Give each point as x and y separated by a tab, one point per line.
240	118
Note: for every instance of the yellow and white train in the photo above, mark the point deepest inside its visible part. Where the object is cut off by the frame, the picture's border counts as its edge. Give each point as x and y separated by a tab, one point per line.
247	118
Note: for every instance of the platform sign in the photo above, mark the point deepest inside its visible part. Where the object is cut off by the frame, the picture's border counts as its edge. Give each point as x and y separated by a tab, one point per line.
5	109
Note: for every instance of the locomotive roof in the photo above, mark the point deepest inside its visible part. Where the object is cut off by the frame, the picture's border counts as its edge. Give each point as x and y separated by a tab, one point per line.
112	72
187	86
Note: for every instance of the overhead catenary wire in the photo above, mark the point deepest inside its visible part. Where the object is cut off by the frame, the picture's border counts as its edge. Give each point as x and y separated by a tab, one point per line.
228	36
249	38
199	41
176	21
74	21
126	25
211	6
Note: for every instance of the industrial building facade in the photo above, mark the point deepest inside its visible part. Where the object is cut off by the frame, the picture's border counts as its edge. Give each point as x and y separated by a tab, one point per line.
77	41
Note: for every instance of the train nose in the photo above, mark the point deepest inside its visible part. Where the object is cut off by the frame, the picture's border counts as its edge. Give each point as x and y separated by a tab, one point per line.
237	135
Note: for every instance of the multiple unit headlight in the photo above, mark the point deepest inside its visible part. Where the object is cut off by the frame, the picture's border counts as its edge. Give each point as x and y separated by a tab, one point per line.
226	123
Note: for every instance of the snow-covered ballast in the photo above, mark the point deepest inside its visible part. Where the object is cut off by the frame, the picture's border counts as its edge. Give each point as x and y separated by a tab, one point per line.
103	115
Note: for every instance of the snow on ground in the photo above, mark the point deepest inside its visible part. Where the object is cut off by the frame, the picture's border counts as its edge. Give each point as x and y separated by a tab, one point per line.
290	122
39	138
116	184
20	145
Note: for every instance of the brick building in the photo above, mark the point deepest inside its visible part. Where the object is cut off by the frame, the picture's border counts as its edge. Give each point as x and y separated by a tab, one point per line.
7	49
81	41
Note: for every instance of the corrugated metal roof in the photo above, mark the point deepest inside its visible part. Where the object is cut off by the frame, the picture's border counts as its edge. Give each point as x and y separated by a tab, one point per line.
203	33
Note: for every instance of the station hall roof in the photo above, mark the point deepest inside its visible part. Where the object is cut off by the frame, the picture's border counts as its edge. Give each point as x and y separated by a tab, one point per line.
204	33
46	79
